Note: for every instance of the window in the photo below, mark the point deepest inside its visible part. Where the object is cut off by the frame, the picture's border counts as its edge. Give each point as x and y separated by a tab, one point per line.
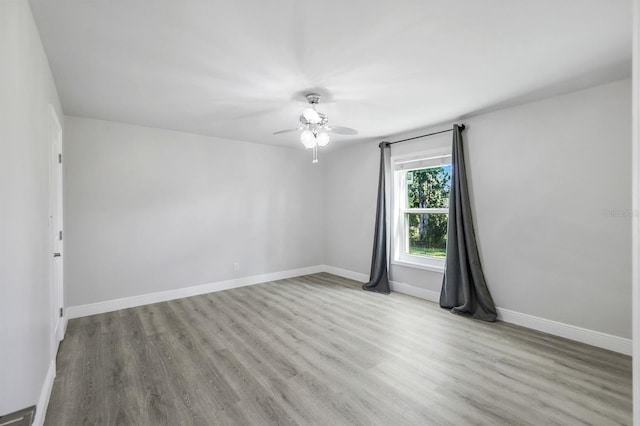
421	208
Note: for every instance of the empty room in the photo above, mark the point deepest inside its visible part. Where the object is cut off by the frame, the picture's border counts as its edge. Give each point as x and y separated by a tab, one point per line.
402	212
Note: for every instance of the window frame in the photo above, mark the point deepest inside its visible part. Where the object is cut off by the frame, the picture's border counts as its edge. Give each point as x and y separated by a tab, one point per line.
400	210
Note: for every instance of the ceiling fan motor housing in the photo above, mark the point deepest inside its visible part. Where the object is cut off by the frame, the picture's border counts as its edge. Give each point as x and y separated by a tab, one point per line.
313	98
323	120
317	122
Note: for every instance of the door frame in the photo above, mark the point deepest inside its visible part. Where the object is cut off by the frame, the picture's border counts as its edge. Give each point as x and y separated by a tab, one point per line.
58	322
635	248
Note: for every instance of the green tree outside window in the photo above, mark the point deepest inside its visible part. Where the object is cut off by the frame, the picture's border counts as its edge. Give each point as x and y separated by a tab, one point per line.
428	188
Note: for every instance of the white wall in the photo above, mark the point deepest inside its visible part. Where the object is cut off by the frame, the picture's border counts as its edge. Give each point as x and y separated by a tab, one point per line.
543	177
26	89
151	210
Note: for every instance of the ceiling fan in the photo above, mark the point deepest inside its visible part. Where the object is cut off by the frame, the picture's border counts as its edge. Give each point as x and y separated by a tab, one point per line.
315	127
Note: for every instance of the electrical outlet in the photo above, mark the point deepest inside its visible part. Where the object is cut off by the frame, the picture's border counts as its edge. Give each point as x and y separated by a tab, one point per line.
236	266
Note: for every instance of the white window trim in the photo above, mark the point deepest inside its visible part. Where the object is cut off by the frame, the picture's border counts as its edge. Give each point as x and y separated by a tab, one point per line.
398	251
419	265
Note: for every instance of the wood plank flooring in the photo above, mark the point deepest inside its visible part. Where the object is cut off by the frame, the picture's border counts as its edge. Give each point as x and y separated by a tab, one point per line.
317	350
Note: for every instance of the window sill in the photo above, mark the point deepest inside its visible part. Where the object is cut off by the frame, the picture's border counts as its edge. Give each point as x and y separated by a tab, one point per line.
417	265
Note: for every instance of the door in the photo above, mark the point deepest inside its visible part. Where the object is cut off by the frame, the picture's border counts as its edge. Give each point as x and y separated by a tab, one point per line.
57	235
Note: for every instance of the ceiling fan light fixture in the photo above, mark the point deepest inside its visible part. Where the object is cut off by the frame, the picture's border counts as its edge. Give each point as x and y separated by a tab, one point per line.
315	126
322	139
308	139
311	115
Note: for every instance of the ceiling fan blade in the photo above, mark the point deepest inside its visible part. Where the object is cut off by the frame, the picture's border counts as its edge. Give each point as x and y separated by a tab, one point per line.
342	130
287	131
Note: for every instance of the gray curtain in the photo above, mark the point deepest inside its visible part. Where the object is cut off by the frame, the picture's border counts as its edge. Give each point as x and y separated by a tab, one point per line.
464	289
379	276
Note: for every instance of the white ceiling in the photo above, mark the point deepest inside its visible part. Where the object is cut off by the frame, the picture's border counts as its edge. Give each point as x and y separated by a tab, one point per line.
238	69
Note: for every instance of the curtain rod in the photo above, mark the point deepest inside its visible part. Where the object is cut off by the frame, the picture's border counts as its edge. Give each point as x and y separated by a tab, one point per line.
462	127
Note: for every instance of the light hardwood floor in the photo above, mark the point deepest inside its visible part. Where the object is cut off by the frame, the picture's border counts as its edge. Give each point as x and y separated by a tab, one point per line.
317	350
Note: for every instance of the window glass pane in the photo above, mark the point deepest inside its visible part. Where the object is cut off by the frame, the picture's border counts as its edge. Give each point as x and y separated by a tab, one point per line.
427	234
429	188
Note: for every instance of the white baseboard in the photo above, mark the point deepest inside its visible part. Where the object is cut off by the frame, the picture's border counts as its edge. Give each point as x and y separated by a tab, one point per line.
584	335
591	337
421	293
65	320
356	276
146	299
45	394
